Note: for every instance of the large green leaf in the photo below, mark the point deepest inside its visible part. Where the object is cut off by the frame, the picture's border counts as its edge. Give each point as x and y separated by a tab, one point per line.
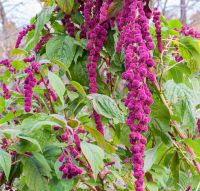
5	162
32	141
42	19
94	156
37	121
57	85
100	139
79	66
184	102
66	5
35	169
160	114
186	114
107	107
190	50
150	158
179	72
18	64
175	167
61	48
9	116
195	145
79	88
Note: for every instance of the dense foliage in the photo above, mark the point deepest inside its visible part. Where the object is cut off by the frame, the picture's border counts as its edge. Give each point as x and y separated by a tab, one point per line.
101	95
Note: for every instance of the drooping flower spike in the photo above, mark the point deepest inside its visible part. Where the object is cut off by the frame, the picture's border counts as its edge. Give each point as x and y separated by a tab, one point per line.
22	34
136	42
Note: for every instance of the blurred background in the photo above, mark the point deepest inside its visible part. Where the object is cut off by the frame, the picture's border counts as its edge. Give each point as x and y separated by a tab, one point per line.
15	14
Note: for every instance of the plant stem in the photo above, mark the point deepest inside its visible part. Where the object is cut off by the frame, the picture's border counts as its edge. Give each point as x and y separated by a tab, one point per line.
46	86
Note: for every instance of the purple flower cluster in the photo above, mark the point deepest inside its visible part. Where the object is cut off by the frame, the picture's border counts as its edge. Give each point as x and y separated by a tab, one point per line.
6	93
198	126
94	14
147	10
29	84
91	14
156	20
104	10
42	41
87	14
7	64
187	31
177	56
97	37
30	59
70	27
51	93
68	169
22	34
138	61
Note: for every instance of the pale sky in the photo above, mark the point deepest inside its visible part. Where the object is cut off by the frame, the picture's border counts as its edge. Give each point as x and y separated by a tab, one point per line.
22	13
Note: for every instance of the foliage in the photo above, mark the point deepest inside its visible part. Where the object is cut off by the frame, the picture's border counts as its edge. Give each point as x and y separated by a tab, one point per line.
32	143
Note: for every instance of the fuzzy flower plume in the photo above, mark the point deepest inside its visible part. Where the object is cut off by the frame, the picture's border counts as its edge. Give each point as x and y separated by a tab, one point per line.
42	41
188	31
29	84
68	169
6	93
22	34
136	41
7	64
96	38
156	20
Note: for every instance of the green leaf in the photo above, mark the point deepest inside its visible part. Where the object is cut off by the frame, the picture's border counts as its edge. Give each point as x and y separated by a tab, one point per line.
42	19
150	158
18	64
66	5
190	50
160	114
62	65
63	185
7	117
72	95
57	85
31	140
124	133
79	66
37	121
2	104
106	106
175	92
35	169
175	24
184	101
152	186
179	72
79	88
94	155
61	48
186	114
18	51
195	145
175	165
5	162
100	139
